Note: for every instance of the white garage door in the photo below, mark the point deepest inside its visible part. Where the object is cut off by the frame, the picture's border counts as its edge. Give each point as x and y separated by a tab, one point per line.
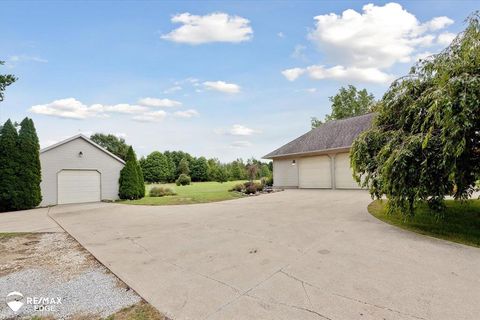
314	172
343	172
77	186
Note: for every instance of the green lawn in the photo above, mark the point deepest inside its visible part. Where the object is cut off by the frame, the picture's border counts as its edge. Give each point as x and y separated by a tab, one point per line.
461	222
197	192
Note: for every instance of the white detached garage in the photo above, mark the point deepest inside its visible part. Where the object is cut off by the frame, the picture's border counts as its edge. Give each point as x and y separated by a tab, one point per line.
320	158
77	170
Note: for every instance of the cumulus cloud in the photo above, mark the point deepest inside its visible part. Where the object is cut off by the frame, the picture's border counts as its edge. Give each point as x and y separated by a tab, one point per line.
241	144
186	114
293	73
222	86
159	103
154	116
69	108
213	27
445	38
362	45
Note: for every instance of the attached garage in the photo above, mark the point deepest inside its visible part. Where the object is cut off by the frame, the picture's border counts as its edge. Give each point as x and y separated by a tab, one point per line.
78	170
320	158
314	172
343	172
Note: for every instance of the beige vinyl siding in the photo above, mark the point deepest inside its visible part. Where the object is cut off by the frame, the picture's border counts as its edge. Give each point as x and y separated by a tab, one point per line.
66	156
315	172
284	173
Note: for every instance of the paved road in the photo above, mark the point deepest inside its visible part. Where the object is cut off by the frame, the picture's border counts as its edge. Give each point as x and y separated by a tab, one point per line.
298	254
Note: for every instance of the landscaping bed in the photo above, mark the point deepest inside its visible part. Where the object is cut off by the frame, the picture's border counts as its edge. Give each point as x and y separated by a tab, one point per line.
460	222
55	266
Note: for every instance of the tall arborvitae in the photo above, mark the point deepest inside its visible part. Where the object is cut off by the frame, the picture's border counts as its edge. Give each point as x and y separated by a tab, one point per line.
129	178
29	176
9	167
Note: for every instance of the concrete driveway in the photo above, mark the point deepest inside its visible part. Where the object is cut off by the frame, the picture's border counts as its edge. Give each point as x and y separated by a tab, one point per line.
297	254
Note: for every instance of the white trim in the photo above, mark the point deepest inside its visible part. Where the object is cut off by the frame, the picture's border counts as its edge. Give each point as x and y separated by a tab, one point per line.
58	144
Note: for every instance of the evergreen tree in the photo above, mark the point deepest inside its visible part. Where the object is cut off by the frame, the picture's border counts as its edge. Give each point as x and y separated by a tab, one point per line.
29	176
9	167
129	178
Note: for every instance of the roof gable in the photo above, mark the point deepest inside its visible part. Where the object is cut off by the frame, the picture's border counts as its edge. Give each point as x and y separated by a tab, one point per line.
337	134
81	136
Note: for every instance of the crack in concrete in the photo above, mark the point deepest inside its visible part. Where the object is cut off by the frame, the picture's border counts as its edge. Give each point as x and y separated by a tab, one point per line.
352	299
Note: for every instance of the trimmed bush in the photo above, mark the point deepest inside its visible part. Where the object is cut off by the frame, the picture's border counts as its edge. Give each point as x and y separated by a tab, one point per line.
238	188
161	192
183	180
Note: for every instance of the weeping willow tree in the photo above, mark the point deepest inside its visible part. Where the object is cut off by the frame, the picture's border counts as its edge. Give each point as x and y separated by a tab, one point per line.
425	141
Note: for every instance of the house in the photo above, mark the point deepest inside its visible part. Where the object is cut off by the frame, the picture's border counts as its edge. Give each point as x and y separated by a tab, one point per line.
78	170
320	158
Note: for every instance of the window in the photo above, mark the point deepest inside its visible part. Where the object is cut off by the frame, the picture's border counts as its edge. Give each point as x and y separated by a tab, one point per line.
293	162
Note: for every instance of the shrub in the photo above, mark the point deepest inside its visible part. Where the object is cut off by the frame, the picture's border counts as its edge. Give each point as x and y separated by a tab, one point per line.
259	186
161	192
238	188
268	181
183	180
251	188
131	183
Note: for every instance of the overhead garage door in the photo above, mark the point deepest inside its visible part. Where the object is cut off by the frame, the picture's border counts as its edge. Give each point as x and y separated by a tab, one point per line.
77	186
343	172
314	172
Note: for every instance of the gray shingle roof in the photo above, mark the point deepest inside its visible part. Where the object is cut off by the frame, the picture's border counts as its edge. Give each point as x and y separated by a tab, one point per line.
330	135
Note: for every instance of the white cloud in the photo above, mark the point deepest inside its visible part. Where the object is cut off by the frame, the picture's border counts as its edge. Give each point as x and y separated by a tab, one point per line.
240	130
241	144
186	114
12	61
293	74
438	23
311	90
159	103
445	38
281	35
222	86
213	27
373	75
361	46
155	116
69	108
422	55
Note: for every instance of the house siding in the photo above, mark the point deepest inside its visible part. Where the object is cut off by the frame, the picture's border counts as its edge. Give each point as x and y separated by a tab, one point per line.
66	156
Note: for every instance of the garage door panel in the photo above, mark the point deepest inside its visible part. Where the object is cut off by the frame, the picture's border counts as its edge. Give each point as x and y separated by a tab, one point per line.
78	186
315	172
343	172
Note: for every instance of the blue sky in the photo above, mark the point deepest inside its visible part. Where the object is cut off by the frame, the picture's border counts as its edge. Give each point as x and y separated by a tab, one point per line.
223	79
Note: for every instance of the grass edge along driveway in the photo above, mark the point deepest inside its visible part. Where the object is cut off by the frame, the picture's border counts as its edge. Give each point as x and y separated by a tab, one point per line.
461	222
196	192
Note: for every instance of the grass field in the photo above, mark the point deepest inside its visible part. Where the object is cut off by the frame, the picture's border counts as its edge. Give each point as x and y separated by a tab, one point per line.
197	192
461	222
